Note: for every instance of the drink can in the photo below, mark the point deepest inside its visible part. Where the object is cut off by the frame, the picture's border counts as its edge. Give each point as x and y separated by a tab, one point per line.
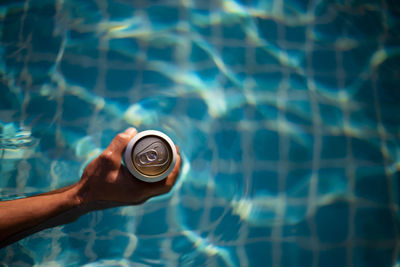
150	156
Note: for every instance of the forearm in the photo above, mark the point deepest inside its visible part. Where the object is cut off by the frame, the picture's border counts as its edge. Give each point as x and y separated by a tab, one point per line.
21	214
60	190
105	183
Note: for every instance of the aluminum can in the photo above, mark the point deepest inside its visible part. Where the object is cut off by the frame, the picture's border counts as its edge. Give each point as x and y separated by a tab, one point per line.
150	156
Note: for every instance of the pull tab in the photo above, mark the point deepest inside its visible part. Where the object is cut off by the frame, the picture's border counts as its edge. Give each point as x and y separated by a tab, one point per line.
147	157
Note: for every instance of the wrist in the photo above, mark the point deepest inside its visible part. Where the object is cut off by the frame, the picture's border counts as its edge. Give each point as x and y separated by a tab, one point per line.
76	195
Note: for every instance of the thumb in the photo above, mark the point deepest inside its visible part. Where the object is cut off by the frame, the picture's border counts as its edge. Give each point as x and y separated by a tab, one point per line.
119	143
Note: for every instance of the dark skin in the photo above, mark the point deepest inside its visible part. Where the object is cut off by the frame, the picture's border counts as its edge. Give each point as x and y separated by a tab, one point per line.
104	180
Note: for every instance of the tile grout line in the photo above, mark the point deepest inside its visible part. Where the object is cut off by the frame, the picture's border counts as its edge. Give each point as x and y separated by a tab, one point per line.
205	218
248	165
284	146
172	209
350	166
384	147
312	198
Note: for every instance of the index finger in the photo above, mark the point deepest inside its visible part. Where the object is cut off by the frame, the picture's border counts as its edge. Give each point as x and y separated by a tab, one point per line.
171	179
117	146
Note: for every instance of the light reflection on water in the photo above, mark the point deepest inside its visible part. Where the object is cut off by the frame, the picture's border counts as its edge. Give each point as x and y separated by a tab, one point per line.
286	112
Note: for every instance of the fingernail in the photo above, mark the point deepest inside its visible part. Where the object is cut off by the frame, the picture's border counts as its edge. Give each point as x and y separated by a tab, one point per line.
130	131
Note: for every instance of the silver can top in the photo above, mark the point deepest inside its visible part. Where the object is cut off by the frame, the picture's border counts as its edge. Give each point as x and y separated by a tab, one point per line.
150	156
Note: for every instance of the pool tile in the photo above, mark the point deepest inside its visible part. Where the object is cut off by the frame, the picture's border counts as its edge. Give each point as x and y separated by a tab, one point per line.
264	183
260	251
332	181
372	184
229	144
334	147
293	255
336	232
374	224
300	149
266	145
372	256
332	257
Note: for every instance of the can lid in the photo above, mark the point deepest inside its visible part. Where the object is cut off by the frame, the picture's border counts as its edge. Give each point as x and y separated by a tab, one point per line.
150	156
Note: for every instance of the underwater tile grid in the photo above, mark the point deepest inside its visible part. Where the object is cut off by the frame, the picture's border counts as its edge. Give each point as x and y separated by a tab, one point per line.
287	114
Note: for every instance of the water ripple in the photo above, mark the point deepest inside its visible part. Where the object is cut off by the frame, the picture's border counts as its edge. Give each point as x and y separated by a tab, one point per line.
13	137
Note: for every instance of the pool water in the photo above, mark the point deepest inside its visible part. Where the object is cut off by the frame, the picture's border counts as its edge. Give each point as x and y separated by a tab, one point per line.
286	112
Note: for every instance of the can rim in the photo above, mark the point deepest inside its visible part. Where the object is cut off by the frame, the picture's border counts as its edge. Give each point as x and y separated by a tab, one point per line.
128	158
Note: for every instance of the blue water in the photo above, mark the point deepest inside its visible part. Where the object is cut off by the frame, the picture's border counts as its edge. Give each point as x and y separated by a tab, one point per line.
287	114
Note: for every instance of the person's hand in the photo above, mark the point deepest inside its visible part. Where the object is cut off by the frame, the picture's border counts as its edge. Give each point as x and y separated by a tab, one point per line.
105	178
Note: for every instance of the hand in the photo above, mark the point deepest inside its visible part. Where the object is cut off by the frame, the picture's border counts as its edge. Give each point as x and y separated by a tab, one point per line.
105	178
105	183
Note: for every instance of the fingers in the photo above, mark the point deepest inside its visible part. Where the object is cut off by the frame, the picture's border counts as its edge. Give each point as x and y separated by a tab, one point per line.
170	181
114	151
166	185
